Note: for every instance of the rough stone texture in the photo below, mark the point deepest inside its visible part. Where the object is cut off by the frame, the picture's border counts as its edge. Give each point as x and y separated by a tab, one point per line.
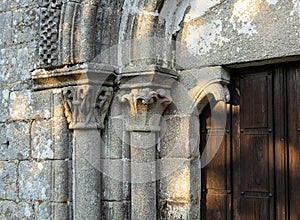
35	180
41	104
9	178
44	181
6	28
46	210
24	24
20	105
4	97
35	142
42	144
11	210
229	32
116	210
15	141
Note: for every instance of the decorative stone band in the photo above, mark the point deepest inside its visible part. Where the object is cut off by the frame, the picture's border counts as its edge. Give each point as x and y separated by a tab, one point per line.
86	106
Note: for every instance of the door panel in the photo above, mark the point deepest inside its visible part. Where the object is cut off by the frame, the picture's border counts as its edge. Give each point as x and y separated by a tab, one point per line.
293	115
215	186
255	181
256	173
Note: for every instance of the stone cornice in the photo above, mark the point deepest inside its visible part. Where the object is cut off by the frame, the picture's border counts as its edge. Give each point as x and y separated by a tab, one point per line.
80	74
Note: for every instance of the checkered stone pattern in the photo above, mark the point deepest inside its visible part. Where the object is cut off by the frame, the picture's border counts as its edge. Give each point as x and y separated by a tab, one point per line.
48	32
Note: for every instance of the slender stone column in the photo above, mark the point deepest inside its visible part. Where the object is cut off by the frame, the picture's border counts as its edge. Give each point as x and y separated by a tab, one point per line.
147	94
86	106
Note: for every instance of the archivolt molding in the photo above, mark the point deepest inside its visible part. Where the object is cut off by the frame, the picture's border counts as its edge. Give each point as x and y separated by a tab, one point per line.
66	32
211	83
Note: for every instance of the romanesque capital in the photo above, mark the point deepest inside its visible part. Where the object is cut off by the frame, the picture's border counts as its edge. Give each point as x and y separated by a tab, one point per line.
144	95
86	106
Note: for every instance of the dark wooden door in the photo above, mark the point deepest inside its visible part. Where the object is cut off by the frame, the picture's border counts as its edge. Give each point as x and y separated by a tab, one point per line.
216	177
293	137
253	148
256	173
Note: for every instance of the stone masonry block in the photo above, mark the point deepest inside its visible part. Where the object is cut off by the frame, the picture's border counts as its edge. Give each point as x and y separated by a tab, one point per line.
179	137
14	141
116	210
35	180
58	107
60	181
24	24
112	190
11	211
41	101
47	210
8	183
115	135
61	138
41	140
20	105
24	61
5	28
4	102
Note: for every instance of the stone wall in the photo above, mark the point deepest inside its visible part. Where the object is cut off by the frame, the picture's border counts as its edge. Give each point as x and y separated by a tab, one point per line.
34	140
54	38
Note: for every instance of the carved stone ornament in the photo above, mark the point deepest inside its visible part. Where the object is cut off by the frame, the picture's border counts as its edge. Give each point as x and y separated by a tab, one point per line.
140	100
145	108
86	106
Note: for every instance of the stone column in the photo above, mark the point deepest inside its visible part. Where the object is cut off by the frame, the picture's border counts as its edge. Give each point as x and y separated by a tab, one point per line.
147	94
86	104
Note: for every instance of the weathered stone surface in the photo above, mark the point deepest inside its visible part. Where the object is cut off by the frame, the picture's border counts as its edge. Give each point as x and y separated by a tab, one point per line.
6	28
35	180
15	141
61	138
112	190
57	107
4	103
179	136
114	143
9	178
17	62
41	140
11	210
239	31
47	210
116	210
41	102
20	106
24	24
60	180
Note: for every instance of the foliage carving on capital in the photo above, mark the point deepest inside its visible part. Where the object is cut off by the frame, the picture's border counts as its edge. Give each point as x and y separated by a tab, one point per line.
141	100
86	106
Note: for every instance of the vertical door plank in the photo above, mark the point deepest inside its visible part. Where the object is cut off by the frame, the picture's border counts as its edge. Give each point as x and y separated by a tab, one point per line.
293	96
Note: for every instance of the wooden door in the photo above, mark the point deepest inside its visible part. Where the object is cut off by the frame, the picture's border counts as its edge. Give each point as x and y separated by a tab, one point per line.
256	173
293	123
253	148
216	181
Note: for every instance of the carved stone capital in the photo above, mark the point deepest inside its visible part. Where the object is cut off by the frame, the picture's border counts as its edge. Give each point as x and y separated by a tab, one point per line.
146	99
86	106
145	94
